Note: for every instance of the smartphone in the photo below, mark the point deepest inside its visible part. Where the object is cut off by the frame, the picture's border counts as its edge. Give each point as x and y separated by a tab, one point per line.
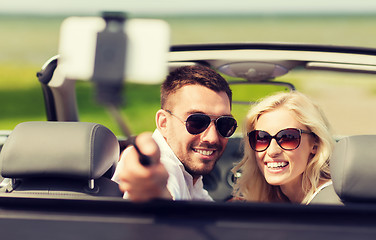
146	48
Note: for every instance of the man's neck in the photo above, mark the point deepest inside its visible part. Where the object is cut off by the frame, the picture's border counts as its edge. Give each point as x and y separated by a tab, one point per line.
195	179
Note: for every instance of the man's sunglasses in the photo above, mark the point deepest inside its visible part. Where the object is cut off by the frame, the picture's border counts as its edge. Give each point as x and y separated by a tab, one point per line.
287	139
198	122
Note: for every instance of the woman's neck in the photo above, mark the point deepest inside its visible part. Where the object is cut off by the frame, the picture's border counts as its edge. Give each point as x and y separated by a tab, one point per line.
293	190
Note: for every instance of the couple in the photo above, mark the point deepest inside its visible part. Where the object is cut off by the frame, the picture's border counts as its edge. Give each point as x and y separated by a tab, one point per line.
287	144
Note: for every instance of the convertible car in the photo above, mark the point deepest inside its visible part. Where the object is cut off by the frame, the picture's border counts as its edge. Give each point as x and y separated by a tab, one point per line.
57	186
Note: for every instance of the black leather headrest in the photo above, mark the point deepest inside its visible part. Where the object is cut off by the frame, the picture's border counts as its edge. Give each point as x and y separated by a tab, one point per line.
59	149
353	168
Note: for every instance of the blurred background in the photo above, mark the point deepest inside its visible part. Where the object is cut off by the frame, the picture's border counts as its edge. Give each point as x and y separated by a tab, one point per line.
30	32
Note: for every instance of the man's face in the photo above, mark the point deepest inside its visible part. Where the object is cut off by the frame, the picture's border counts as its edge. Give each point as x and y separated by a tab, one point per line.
198	153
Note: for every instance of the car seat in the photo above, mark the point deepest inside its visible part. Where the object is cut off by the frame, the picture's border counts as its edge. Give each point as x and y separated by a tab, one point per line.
353	169
59	159
219	182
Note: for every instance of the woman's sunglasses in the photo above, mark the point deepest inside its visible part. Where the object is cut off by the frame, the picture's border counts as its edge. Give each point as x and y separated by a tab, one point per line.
198	122
287	139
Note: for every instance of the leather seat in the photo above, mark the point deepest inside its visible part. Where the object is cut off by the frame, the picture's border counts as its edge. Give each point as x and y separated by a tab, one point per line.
59	159
353	169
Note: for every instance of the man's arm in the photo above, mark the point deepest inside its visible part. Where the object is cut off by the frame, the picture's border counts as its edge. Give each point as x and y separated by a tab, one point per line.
142	183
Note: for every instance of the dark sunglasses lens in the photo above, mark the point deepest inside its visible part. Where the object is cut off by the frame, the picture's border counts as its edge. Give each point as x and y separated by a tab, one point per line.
197	123
288	139
226	126
259	140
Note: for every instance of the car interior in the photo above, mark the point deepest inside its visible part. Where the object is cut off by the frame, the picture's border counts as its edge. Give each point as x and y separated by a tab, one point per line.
61	106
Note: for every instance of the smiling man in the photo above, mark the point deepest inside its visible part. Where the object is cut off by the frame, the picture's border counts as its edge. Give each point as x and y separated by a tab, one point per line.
193	126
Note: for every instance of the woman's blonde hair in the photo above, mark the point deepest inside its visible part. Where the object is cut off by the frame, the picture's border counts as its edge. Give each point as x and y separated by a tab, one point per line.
252	186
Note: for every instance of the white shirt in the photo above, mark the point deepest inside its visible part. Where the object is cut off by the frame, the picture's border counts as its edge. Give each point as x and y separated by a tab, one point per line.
180	182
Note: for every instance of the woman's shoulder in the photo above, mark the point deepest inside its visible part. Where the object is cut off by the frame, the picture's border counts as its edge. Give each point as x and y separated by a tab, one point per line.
325	194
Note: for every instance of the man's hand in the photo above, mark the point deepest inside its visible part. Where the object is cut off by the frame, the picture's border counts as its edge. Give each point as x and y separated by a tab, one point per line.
143	183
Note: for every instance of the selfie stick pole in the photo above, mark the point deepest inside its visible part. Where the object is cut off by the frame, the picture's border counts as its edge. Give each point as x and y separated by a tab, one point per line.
109	71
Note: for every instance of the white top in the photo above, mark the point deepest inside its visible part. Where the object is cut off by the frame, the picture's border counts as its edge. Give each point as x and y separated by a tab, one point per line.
180	182
328	183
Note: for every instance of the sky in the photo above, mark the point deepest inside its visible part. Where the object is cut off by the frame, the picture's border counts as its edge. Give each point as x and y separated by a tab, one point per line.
49	7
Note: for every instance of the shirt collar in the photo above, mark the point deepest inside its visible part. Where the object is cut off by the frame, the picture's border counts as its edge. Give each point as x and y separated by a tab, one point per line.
167	151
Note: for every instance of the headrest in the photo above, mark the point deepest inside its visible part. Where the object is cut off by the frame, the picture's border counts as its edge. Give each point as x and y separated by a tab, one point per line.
58	149
353	168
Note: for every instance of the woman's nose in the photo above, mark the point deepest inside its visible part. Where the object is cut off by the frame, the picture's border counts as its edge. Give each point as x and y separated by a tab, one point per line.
274	149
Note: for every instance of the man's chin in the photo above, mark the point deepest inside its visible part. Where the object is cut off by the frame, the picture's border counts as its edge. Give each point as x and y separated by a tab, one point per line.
203	170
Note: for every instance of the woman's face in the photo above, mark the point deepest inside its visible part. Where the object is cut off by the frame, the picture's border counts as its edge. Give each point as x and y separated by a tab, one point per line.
283	167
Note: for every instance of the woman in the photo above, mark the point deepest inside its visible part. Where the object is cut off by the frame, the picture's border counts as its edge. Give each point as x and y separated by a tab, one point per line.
287	145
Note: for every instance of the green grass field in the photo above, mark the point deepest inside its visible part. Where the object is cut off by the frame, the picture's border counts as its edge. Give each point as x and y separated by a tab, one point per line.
27	42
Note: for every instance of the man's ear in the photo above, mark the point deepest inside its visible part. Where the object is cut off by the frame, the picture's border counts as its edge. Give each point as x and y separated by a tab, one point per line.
161	121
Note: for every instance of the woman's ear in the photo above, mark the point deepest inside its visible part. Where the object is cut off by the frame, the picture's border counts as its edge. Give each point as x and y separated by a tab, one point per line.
314	149
315	146
161	121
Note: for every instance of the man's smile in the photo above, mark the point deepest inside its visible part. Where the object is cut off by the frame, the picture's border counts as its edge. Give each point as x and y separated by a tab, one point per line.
204	152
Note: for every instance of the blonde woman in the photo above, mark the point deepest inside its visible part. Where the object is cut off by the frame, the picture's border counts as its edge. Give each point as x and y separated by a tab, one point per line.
287	146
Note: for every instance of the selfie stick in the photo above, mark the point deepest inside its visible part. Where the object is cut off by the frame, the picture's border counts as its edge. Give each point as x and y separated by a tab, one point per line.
109	71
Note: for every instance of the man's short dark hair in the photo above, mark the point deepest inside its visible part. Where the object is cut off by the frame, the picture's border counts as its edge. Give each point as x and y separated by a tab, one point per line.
194	75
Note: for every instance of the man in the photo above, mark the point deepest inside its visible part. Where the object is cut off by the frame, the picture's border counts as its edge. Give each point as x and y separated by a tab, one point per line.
193	125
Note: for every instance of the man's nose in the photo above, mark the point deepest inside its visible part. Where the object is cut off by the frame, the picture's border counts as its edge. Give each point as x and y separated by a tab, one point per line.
211	134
